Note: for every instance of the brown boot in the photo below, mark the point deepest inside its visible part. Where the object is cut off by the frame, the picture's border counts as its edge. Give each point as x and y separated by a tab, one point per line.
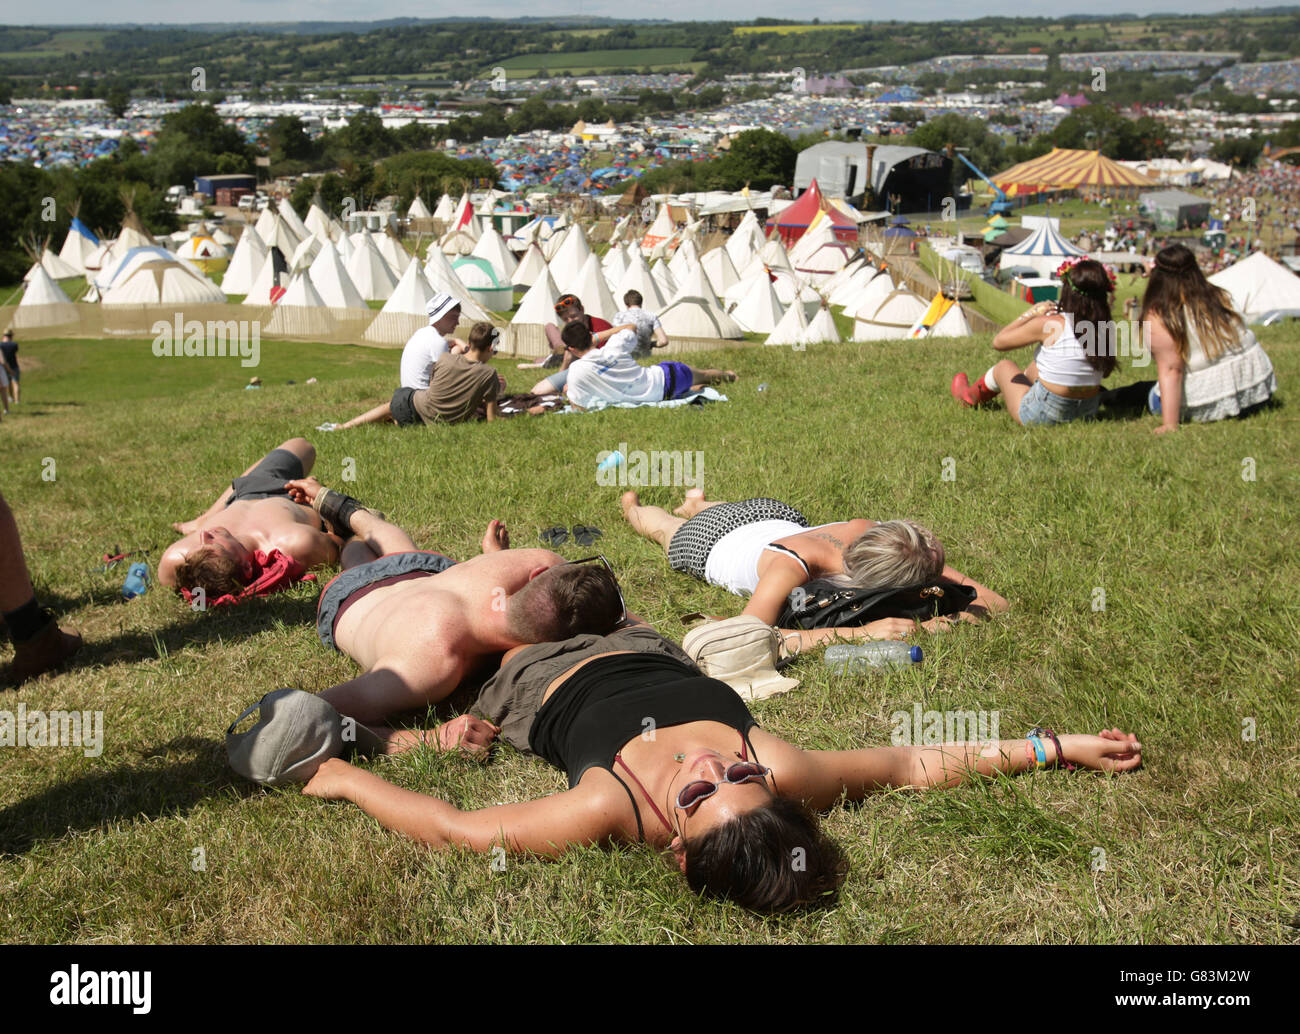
45	651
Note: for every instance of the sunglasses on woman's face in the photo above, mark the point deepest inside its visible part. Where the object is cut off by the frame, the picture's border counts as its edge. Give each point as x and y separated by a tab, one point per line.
702	789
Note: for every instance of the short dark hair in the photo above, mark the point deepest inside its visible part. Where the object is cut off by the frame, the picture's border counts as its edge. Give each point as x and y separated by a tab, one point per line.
632	299
215	573
567	600
576	336
774	858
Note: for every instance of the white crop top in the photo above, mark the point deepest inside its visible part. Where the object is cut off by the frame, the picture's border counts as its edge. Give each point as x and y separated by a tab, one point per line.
1065	362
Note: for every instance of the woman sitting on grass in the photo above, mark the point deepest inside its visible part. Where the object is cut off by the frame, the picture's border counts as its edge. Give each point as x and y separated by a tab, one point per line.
765	549
1208	363
1064	379
734	804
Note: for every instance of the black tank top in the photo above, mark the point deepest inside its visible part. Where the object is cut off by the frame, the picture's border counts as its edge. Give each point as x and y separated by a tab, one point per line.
611	701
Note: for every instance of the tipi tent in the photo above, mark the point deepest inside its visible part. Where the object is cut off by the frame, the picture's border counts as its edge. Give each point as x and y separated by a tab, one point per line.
696	313
43	304
301	312
245	264
537	307
404	313
493	248
571	257
370	273
759	311
161	281
54	266
821	328
893	319
637	277
530	268
791	329
78	245
593	289
330	278
418	210
1258	286
483	284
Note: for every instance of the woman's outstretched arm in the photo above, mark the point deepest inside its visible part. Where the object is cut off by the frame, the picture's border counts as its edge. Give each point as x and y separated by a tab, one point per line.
548	826
831	774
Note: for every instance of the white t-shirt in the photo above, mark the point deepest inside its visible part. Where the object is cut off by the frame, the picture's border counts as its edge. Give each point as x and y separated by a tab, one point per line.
646	324
610	375
423	349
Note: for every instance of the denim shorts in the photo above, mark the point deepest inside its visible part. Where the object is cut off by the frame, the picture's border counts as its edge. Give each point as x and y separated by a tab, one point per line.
1041	407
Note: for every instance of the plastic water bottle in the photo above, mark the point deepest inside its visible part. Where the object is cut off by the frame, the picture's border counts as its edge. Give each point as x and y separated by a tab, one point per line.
891	653
614	459
137	581
762	387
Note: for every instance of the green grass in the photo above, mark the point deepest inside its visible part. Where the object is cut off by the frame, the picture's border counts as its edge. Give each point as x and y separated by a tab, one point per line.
1198	634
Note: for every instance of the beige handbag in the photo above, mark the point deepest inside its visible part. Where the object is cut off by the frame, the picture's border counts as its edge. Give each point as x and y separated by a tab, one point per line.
742	652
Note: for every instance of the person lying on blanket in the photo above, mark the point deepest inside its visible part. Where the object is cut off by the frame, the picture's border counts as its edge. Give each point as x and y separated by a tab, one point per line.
252	523
610	375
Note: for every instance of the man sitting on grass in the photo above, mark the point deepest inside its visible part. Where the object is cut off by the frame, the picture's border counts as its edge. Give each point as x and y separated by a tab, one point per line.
419	623
463	387
650	333
220	551
611	376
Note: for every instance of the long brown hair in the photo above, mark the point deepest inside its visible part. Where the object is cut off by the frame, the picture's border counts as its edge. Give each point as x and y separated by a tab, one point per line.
1085	296
1178	288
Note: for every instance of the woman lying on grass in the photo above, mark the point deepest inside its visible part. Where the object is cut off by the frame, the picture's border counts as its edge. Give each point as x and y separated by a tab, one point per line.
1073	352
764	549
631	721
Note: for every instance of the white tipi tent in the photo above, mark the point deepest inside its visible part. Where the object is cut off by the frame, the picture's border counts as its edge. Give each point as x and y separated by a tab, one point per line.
404	313
893	319
592	288
492	248
78	245
54	266
370	272
759	311
821	327
696	313
1258	285
791	329
330	278
418	210
43	304
637	277
532	266
537	306
245	264
301	312
571	257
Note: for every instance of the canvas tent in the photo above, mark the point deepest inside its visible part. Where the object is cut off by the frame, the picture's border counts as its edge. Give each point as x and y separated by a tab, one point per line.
1258	286
794	220
1043	250
1175	209
43	304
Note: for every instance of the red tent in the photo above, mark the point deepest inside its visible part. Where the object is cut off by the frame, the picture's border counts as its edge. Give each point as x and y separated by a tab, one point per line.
794	219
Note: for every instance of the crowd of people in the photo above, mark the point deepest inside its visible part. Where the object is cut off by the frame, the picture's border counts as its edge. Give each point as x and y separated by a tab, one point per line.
573	672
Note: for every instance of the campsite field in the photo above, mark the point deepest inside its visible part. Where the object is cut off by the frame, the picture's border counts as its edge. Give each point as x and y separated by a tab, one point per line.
1152	588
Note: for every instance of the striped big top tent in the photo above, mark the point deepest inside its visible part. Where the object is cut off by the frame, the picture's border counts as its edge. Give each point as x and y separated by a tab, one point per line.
1062	167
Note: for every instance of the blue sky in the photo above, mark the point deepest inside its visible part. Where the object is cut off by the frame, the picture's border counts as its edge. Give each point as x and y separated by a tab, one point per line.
73	12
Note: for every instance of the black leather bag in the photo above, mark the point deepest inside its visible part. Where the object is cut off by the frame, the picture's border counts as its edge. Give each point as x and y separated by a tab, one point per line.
821	603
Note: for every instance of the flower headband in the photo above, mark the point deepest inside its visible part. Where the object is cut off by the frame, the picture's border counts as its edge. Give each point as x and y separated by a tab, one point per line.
1063	274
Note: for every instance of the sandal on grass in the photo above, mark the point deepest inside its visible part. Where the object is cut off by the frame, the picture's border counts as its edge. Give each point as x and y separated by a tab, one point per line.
555	536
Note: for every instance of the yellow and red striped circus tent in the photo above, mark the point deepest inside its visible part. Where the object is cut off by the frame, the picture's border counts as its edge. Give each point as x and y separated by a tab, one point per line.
1062	167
